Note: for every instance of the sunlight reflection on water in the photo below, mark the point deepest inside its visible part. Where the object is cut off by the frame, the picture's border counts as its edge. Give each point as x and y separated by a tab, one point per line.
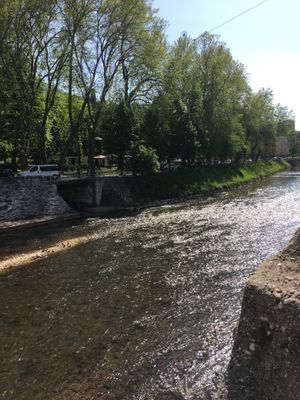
148	309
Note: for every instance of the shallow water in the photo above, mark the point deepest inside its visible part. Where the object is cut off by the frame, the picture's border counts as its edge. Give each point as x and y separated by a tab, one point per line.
147	310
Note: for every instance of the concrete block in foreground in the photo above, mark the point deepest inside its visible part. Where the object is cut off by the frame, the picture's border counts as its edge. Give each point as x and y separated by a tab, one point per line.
265	362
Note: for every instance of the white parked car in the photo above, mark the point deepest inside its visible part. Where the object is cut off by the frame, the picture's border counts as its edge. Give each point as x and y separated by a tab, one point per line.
50	170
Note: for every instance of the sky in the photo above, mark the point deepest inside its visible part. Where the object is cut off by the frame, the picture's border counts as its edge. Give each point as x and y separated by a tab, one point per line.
265	40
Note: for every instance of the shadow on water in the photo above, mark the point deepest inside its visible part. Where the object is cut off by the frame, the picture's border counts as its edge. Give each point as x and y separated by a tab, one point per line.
33	237
72	317
147	310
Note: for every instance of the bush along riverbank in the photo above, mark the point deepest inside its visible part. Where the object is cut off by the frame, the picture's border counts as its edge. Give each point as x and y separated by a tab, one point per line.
186	182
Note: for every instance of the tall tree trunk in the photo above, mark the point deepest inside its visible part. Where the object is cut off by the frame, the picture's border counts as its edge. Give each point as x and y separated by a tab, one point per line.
91	151
42	142
14	166
121	163
78	167
23	145
253	152
66	148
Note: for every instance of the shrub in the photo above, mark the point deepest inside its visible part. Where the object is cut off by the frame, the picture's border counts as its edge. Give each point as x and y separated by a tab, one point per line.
144	159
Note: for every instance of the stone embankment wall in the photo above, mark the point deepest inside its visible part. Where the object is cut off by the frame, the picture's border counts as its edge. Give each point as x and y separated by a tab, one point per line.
22	198
265	362
25	198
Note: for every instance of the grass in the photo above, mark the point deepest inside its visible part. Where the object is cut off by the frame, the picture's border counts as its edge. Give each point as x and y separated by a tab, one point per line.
191	181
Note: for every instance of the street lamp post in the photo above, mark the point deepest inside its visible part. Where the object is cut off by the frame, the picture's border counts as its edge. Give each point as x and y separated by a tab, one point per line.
99	140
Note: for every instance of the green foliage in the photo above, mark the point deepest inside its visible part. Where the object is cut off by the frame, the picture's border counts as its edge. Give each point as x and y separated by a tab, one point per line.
155	129
184	134
118	128
5	150
73	70
294	143
142	51
191	181
260	123
144	160
224	85
27	30
284	118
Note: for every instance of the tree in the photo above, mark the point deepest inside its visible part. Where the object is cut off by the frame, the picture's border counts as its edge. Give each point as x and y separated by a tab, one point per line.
27	32
179	102
284	120
103	36
259	122
118	126
204	89
144	159
79	25
184	134
223	84
294	143
100	59
142	51
156	130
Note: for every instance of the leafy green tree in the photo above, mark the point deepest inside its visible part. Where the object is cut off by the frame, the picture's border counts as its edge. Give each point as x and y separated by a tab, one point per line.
203	91
155	129
105	38
294	143
72	70
259	122
142	51
223	84
144	160
180	75
78	21
141	56
184	134
284	120
57	128
118	127
5	150
8	120
179	101
26	33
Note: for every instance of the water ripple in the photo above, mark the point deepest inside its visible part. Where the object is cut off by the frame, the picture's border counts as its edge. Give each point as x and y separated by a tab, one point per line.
146	311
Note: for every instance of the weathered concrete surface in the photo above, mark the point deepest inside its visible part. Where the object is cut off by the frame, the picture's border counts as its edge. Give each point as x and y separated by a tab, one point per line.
117	192
86	193
81	193
32	198
265	362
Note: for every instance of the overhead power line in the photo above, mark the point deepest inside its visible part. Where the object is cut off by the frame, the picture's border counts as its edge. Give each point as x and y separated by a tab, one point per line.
239	15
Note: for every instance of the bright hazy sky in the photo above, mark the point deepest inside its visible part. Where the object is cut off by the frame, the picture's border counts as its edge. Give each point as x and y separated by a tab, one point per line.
266	39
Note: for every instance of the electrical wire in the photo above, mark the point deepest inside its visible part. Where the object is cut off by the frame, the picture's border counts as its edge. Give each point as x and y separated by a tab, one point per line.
237	16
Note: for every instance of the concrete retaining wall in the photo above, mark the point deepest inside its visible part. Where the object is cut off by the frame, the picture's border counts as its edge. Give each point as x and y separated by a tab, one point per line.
23	198
265	362
81	193
117	192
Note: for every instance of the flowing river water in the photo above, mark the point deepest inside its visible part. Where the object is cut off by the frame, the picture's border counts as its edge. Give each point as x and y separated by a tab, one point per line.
146	311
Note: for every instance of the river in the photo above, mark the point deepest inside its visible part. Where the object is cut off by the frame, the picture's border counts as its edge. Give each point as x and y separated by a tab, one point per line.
147	310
